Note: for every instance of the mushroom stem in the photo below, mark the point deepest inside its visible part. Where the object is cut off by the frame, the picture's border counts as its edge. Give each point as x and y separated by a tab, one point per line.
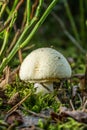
44	87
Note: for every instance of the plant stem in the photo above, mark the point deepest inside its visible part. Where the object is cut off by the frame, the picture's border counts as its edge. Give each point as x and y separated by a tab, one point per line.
18	45
28	11
6	34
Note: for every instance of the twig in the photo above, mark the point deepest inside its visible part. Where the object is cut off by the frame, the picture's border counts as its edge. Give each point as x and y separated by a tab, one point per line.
17	34
14	71
35	114
84	106
5	25
28	47
80	99
20	55
34	7
19	4
24	20
2	123
72	105
12	126
18	104
80	76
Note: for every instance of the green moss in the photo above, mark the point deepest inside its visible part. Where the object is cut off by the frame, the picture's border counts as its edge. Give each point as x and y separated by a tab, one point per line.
70	124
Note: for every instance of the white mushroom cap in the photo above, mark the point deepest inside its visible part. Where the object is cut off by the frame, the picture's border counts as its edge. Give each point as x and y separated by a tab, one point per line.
44	65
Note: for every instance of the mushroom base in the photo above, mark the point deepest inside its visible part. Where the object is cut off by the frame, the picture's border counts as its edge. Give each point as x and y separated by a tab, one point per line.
43	87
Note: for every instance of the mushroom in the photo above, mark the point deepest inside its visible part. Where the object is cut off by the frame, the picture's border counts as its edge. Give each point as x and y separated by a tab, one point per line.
44	66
